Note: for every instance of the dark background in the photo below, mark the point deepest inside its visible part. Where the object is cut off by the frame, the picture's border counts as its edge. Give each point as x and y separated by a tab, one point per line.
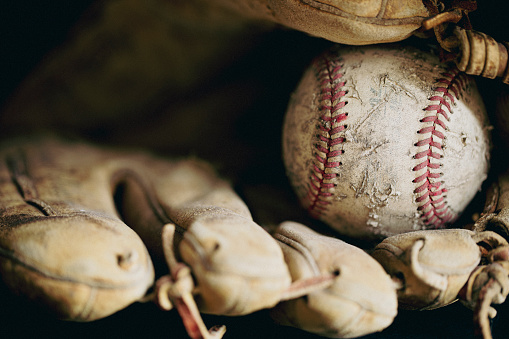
29	29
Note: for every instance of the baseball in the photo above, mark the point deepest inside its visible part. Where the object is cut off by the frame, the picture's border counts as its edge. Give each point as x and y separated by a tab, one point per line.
382	140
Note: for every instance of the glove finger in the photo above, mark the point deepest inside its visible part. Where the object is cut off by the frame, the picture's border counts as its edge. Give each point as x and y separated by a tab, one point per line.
238	267
361	300
61	241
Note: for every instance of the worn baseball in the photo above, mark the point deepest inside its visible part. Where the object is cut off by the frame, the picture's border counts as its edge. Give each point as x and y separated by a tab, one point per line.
382	140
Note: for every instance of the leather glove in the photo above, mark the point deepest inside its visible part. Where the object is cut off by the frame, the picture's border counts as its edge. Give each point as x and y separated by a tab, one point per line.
359	299
72	216
80	225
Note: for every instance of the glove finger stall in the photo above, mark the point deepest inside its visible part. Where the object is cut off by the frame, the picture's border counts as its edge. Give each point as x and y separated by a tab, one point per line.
361	300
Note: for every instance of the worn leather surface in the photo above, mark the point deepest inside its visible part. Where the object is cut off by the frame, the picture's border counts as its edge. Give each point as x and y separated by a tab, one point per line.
432	270
346	22
361	299
80	215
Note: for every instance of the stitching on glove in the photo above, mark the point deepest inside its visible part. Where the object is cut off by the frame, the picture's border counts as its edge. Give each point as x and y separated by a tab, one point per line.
17	165
380	19
306	286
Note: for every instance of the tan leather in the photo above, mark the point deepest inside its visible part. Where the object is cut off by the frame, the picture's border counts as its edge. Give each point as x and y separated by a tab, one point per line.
431	265
347	22
77	220
360	300
61	240
68	211
437	267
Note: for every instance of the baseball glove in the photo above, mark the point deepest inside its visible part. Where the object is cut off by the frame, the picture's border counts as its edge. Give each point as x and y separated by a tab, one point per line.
76	222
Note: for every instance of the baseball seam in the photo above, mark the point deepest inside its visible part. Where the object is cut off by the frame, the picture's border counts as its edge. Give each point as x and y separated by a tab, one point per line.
327	151
430	189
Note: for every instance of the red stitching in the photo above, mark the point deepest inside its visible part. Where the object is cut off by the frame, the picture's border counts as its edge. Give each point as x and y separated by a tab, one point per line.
328	72
432	193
